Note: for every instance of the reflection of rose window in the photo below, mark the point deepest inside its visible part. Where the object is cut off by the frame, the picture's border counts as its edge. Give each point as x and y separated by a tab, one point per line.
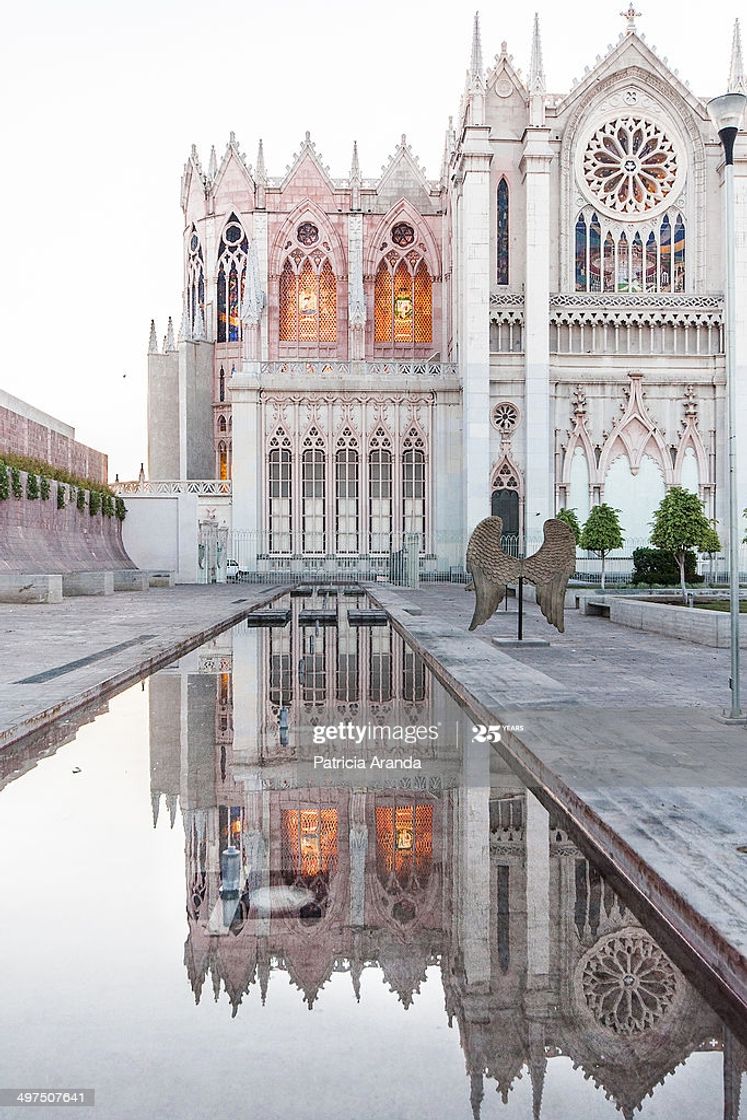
628	983
630	165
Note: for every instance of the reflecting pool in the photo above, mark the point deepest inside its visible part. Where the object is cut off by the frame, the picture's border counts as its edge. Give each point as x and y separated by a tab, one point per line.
286	877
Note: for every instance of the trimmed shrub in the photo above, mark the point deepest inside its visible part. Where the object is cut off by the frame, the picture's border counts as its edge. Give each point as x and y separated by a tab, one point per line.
94	502
120	509
80	500
60	496
4	483
32	486
657	568
44	487
15	482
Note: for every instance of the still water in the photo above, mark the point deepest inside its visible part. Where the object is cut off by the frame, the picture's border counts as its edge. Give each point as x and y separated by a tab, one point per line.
400	930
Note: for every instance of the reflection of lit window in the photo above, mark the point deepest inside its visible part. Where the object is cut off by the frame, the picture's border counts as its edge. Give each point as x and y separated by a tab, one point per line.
404	842
405	839
309	842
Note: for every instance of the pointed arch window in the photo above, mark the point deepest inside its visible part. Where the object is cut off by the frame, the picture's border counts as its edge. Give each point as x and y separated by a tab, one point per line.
279	486
308	290
403	293
502	233
223	472
413	488
195	279
232	253
379	494
346	498
313	489
652	259
222	385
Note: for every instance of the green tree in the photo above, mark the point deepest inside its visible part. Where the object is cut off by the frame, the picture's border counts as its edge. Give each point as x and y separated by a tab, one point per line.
602	532
679	524
568	516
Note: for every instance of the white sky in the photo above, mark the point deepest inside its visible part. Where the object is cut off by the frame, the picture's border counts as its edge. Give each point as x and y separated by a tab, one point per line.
101	102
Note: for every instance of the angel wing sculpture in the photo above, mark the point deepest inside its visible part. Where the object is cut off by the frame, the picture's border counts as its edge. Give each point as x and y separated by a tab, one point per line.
549	569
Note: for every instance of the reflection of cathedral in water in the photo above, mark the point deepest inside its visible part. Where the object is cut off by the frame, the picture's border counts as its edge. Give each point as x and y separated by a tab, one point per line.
457	866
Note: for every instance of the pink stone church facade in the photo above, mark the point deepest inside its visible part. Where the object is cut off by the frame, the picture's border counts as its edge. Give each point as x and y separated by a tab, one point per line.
362	361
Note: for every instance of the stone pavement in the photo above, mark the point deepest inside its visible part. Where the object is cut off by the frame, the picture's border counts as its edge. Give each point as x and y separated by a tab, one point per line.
621	729
57	657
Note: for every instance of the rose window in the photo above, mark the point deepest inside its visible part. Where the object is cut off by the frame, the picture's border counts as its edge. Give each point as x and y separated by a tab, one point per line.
627	982
307	233
403	234
505	417
630	165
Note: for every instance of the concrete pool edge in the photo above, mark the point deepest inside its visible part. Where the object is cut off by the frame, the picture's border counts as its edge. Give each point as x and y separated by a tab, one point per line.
43	718
723	962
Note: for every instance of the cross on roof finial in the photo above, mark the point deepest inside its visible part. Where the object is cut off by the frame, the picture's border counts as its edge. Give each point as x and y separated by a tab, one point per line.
630	15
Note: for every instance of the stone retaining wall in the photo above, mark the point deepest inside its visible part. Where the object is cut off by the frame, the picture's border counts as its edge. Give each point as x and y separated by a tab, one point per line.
27	431
707	628
36	537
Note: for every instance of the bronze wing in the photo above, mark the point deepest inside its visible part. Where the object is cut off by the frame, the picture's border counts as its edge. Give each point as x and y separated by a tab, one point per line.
490	567
550	568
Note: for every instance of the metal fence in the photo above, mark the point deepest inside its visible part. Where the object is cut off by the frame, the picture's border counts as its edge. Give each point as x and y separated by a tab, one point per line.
408	559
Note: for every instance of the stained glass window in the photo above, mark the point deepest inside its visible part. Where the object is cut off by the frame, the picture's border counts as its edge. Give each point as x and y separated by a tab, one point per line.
679	255
665	255
615	261
222	461
308	233
403	301
403	234
232	254
404	845
195	279
280	499
308	299
581	275
502	227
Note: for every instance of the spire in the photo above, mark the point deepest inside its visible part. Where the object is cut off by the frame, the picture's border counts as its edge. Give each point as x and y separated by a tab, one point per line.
737	82
260	176
153	340
213	164
254	297
355	179
155	804
185	330
355	167
536	71
476	1093
475	66
171	806
168	345
260	170
198	334
536	80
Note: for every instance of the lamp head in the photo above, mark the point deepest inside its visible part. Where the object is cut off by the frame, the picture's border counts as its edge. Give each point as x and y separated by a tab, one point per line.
727	112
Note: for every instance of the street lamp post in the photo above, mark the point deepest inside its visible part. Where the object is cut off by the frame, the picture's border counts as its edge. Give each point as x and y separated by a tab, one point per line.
726	112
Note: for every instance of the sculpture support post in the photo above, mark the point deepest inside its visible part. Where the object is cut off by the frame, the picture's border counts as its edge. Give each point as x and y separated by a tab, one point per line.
521	608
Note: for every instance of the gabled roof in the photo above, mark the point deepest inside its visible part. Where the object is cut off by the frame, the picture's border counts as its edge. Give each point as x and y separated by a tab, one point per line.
308	156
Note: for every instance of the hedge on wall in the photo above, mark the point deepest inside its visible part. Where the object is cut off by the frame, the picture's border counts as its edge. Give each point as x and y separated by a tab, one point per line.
96	497
655	567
